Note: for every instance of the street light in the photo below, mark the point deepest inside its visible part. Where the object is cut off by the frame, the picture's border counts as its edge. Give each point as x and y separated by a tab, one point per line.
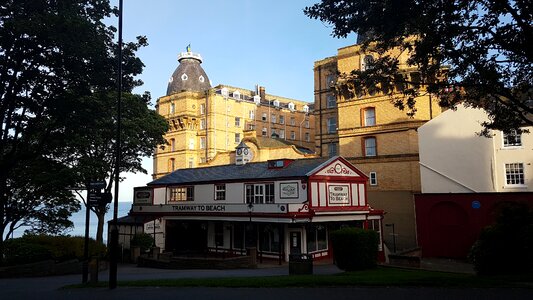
393	236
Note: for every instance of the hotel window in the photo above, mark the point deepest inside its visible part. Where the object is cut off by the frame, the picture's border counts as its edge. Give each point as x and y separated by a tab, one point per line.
331	101
369	115
273	133
293	135
191	144
366	62
306	123
307	137
330	80
251	126
512	139
202	109
370	146
264	131
237	122
332	149
237	138
251	114
172	145
202	142
202	124
317	239
514	174
373	178
332	125
172	108
259	193
191	163
282	119
264	117
293	121
203	160
182	193
273	118
282	133
220	192
171	164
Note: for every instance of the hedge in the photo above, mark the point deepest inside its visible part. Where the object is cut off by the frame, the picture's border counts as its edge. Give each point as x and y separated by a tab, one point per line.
355	248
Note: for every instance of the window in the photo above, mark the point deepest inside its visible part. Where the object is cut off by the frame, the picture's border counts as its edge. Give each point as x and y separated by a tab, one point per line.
307	137
191	163
306	124
293	135
220	192
237	138
273	118
172	145
264	131
370	146
237	122
376	226
259	193
182	193
282	119
331	101
330	80
202	142
293	122
332	149
373	178
251	126
282	133
171	164
273	133
202	124
317	239
191	144
202	109
512	139
514	174
270	238
332	125
369	116
367	62
203	160
172	108
251	114
264	117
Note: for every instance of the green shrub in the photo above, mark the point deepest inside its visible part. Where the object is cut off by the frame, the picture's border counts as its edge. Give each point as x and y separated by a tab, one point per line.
142	240
355	248
32	248
505	247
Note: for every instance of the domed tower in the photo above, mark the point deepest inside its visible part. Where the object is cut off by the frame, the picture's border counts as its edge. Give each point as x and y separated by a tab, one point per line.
189	75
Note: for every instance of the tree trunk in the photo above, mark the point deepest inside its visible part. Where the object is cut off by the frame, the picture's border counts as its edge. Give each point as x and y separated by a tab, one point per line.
100	214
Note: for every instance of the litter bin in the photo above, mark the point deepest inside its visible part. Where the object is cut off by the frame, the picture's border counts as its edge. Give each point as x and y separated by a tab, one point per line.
300	264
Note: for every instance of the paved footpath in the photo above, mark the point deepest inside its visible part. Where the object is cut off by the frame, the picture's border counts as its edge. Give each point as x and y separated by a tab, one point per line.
49	288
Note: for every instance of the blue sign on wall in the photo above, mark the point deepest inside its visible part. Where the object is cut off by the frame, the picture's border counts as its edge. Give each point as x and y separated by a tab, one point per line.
476	204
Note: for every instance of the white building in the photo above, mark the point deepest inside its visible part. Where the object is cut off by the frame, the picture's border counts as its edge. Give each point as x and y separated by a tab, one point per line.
454	159
281	207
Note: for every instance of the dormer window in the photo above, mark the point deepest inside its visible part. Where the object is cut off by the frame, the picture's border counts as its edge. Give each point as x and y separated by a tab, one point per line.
224	92
257	99
201	78
279	163
291	106
236	95
276	103
306	108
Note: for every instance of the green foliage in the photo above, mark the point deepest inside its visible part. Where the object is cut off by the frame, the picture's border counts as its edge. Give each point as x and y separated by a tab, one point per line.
34	248
466	51
355	248
506	246
142	240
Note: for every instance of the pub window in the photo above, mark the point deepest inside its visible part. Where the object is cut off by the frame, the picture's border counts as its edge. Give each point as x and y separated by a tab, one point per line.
317	239
219	234
259	193
270	239
220	192
181	193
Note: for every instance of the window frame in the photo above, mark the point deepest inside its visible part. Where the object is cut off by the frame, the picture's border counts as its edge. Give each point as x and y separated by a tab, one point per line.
181	193
373	178
237	121
331	147
331	125
259	193
282	119
517	175
366	110
203	142
517	143
220	192
237	137
202	123
202	109
331	101
365	147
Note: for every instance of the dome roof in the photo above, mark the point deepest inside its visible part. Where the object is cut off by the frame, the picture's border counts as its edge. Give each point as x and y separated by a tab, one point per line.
189	75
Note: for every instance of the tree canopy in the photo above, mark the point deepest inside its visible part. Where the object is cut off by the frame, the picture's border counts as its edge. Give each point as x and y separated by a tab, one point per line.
58	66
474	52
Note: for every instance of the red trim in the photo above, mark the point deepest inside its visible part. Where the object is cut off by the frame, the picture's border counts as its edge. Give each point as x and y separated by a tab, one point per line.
342	208
347	163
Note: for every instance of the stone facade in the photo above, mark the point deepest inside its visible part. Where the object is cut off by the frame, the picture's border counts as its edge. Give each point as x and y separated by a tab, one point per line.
375	136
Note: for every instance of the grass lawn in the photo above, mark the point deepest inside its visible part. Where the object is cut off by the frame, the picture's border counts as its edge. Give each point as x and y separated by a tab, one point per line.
381	276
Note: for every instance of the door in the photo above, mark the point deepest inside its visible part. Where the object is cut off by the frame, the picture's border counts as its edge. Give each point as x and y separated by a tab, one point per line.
295	242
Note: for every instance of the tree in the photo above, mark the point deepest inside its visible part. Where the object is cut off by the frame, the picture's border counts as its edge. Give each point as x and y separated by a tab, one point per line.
56	58
474	52
94	140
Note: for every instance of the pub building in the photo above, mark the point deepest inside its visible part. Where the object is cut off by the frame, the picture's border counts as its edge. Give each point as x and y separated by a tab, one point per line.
279	207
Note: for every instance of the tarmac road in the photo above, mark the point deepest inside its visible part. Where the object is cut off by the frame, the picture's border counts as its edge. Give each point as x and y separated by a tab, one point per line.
49	288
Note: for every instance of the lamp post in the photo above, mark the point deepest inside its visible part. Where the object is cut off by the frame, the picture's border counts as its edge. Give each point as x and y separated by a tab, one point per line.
393	236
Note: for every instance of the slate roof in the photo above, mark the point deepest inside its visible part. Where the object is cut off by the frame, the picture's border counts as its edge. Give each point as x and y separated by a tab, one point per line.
249	171
190	67
266	142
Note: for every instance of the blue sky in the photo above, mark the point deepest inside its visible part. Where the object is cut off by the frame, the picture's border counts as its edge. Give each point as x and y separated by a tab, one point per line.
243	43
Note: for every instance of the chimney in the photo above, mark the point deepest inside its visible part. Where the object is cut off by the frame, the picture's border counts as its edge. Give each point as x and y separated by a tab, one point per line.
262	93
